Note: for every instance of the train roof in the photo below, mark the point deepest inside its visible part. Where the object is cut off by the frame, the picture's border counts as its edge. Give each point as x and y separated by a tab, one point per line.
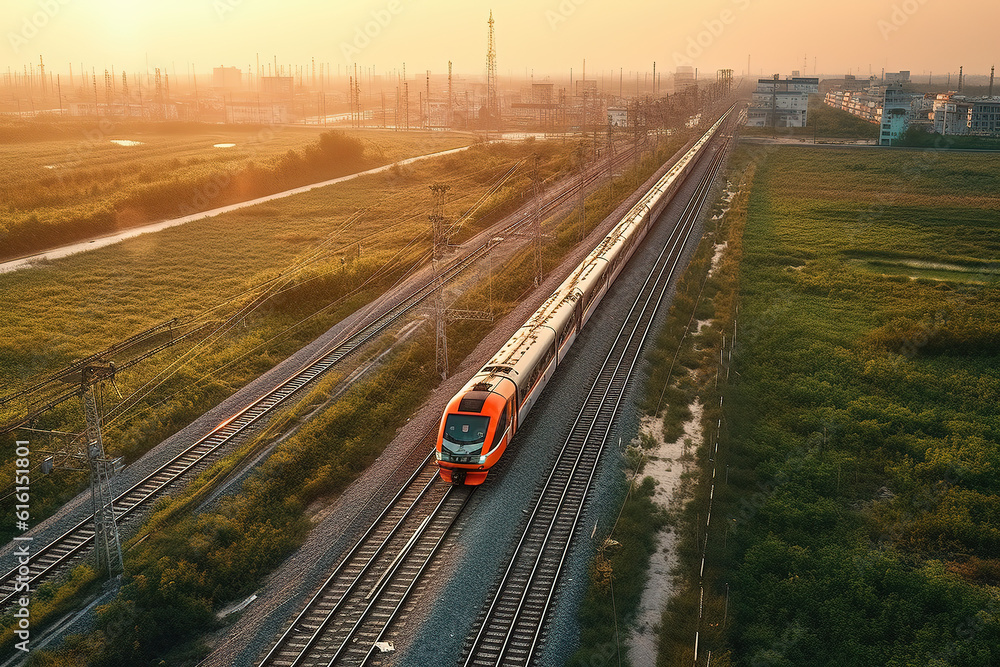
503	363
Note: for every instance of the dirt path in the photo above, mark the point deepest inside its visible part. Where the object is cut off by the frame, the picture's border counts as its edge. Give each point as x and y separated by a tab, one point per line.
666	463
101	241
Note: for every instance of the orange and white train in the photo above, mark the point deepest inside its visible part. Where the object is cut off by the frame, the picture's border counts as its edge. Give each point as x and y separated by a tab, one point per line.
483	417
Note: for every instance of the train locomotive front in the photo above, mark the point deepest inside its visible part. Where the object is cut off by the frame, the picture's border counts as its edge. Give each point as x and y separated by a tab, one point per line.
475	430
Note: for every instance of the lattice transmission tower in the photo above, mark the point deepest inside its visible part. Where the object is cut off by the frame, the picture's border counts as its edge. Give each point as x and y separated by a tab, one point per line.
492	101
437	256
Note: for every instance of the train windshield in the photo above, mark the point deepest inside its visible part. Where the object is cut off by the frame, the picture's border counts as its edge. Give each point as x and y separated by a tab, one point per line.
464	435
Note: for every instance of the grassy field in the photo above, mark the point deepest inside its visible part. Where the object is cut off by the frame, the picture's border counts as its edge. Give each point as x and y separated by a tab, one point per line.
358	244
220	554
861	439
74	180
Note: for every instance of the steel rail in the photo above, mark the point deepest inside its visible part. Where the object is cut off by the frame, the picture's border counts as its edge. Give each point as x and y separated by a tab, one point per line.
521	595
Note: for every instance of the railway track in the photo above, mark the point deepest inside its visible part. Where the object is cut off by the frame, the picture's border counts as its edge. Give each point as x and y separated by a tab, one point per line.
346	619
55	557
512	625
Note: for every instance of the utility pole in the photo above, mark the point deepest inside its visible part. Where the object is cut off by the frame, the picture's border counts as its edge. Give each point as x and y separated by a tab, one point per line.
774	106
107	544
440	241
581	193
537	222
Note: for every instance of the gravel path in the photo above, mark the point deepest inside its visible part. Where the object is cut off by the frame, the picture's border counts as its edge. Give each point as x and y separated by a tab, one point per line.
491	525
344	519
287	590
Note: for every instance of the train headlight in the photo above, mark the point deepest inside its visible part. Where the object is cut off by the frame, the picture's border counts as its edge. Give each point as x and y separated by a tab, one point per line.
482	460
437	455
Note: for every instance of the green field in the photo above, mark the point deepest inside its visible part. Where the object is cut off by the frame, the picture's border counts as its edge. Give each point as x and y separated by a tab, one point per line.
861	522
221	553
246	273
68	181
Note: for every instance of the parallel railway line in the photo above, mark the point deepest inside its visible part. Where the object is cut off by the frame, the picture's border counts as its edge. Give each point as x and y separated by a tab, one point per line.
357	605
350	613
512	625
53	558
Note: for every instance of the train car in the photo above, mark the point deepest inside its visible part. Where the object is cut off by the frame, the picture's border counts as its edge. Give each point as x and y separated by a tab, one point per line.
481	419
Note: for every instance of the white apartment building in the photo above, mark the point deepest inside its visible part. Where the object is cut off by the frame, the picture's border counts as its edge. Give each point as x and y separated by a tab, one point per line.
984	117
781	102
951	113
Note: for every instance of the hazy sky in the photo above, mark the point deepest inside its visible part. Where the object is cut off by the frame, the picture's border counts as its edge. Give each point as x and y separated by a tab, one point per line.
543	35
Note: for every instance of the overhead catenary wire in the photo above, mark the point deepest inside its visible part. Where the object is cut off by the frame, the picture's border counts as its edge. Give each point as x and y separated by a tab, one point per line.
255	296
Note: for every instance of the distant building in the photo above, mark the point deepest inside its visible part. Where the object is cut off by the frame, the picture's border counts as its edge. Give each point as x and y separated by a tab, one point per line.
684	78
277	87
542	93
902	76
889	106
253	113
897	109
781	102
951	113
848	83
618	116
798	84
984	117
227	78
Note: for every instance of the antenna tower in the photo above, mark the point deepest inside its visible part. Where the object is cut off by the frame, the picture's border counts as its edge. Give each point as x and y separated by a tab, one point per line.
492	105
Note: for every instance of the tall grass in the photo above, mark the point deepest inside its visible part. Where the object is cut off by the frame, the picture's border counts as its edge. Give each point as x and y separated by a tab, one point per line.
57	191
207	271
858	525
220	554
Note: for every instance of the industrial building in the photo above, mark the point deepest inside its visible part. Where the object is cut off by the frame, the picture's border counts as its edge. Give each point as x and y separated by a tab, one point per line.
684	78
